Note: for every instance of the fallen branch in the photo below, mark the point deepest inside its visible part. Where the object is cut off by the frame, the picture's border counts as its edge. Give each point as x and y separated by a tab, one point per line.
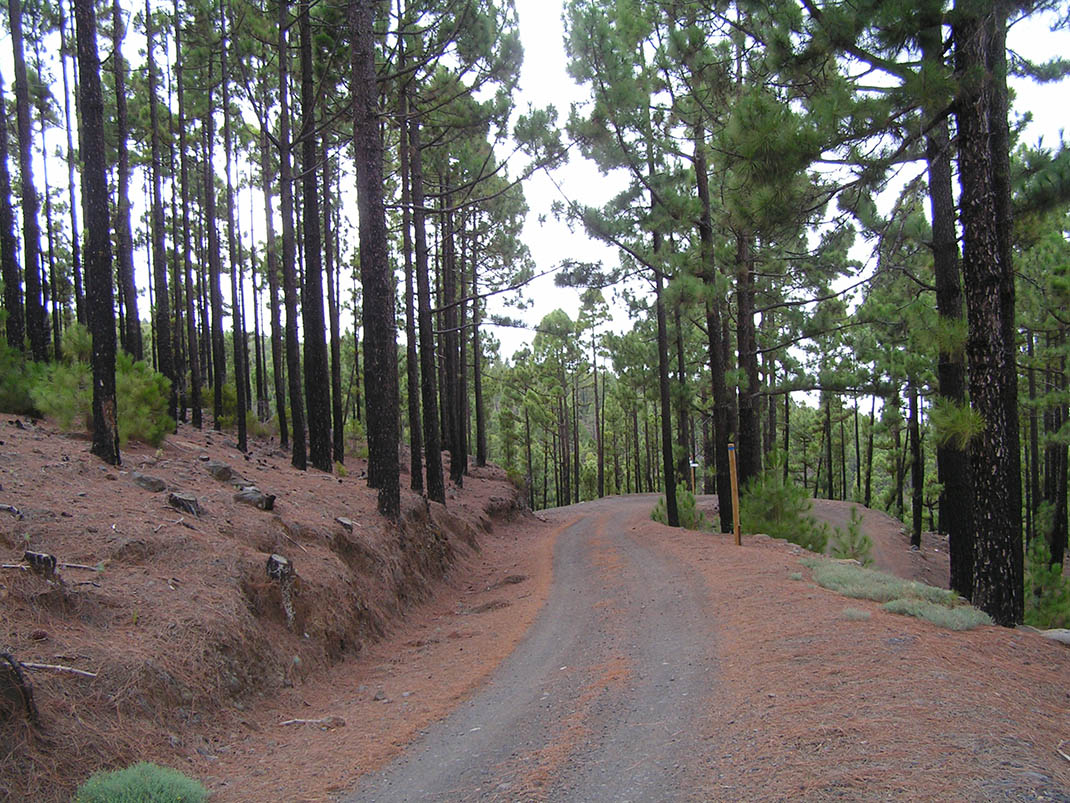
14	511
58	668
96	568
295	543
1059	750
20	566
330	722
179	520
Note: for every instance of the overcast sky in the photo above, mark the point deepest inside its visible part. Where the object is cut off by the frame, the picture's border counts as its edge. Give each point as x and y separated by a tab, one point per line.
544	80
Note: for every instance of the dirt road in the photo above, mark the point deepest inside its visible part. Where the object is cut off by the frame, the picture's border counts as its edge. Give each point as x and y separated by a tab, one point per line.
604	697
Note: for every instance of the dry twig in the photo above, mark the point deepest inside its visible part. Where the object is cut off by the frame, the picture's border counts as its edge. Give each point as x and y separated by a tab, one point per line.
1059	750
59	668
330	722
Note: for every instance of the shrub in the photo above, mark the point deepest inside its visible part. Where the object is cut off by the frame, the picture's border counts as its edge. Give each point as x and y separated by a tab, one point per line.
936	605
17	378
853	543
691	517
141	783
855	614
779	508
1047	592
854	581
64	393
955	617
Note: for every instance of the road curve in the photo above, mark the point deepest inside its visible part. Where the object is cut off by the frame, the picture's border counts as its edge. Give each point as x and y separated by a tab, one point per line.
603	699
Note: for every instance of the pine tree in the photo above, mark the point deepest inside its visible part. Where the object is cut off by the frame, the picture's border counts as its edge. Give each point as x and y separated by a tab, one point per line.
98	245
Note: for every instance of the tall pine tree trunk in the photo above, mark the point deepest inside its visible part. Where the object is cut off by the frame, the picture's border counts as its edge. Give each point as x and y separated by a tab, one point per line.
98	237
237	308
917	469
192	340
988	278
76	237
36	322
124	238
9	267
412	359
477	369
436	488
317	371
159	252
750	446
952	466
337	417
715	347
272	262
289	249
380	342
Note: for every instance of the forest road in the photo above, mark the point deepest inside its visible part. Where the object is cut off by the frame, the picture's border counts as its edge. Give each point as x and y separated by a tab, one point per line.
603	700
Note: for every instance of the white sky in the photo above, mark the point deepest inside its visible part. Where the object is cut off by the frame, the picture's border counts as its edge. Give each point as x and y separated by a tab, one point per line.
544	80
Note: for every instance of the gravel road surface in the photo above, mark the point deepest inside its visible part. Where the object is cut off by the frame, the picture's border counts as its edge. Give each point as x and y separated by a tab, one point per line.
602	699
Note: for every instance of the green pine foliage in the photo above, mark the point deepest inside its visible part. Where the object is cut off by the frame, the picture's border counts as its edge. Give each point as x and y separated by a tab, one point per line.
141	783
64	393
17	378
691	518
1047	592
780	508
852	542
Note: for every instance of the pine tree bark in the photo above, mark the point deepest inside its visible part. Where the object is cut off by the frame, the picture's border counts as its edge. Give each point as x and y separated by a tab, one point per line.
952	466
672	514
124	238
436	488
192	340
289	249
76	237
380	342
715	347
683	465
9	267
917	470
237	307
412	367
215	295
317	371
750	445
159	252
334	314
36	323
988	279
98	238
272	261
477	369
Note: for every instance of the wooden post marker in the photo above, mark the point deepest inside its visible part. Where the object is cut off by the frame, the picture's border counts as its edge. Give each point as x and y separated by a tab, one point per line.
735	490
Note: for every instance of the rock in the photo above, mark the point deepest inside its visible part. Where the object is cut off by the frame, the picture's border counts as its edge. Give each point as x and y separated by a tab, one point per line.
203	458
220	471
279	567
347	524
1062	635
148	482
251	495
185	502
